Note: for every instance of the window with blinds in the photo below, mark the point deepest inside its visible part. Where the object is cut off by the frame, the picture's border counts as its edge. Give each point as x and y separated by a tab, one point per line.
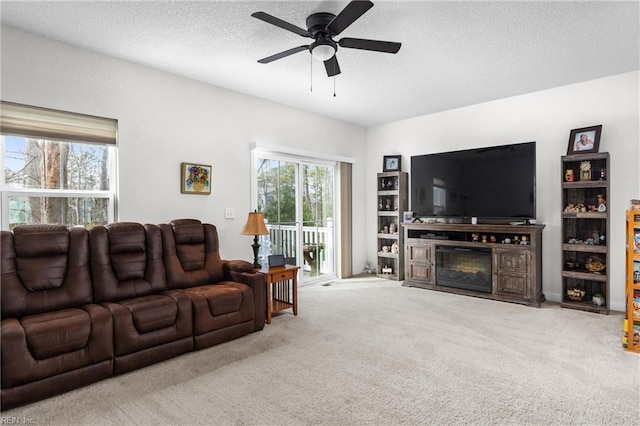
59	167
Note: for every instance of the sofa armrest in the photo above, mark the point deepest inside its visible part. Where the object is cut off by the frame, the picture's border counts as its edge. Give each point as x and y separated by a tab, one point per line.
236	266
243	272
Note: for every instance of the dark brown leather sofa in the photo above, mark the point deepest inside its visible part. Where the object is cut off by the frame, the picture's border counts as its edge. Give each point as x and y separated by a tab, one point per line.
79	306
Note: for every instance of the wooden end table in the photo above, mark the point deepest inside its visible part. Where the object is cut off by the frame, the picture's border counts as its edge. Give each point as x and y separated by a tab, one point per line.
282	288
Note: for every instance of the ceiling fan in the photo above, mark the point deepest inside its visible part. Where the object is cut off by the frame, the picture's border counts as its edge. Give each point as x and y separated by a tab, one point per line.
322	27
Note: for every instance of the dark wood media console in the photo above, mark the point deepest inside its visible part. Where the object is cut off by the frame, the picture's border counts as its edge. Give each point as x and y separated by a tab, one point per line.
454	258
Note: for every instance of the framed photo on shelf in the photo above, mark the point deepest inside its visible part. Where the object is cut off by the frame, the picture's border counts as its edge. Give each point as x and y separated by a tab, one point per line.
195	178
407	217
584	140
391	163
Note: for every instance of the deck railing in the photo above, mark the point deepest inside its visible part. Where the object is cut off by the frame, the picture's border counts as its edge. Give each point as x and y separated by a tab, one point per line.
318	246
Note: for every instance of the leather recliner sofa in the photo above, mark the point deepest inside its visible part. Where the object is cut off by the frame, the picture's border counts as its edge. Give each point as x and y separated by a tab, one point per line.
79	306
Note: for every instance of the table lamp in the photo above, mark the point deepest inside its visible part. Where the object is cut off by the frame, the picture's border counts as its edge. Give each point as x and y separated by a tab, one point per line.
255	226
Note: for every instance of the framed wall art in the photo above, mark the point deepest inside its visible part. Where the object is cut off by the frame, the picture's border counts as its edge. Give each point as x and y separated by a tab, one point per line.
391	163
195	178
584	140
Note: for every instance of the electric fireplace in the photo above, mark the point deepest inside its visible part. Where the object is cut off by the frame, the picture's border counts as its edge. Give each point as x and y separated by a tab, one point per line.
464	268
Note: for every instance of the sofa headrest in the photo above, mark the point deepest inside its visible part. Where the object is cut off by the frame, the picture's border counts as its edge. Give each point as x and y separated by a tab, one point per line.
126	238
41	240
44	268
188	231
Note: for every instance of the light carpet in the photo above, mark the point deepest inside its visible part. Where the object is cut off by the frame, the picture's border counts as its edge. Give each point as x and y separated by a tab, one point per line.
369	351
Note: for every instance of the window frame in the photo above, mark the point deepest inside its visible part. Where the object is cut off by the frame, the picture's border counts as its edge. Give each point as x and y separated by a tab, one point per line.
111	195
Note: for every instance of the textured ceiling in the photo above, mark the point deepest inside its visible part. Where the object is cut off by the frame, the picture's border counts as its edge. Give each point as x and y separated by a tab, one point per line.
453	54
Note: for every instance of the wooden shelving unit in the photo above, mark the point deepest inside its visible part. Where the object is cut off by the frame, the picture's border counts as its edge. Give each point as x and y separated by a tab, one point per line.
632	319
585	228
393	201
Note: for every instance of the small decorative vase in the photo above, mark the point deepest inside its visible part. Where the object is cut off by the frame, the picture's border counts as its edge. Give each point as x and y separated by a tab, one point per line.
598	300
198	186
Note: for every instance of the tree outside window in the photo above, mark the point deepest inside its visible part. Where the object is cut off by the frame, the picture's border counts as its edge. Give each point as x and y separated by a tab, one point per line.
47	181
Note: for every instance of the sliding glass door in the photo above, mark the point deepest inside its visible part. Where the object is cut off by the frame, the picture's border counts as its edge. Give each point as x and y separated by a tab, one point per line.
297	198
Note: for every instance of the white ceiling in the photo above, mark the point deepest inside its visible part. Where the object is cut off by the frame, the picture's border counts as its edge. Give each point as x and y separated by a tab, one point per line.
454	53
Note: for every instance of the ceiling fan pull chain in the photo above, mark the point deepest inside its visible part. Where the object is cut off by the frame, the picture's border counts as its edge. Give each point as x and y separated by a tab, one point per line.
311	69
334	86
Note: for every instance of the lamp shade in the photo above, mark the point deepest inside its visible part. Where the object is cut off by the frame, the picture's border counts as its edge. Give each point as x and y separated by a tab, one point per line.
255	225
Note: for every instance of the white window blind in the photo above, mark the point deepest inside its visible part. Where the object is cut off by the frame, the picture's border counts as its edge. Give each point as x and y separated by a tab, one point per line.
26	120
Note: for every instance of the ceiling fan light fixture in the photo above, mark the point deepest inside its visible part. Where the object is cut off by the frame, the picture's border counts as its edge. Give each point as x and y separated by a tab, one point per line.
322	52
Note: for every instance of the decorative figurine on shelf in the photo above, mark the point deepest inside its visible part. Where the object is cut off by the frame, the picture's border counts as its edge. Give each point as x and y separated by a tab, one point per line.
492	238
516	239
602	203
575	208
484	238
568	175
603	173
585	170
388	205
385	229
595	264
598	299
380	204
385	249
394	248
474	237
576	293
524	240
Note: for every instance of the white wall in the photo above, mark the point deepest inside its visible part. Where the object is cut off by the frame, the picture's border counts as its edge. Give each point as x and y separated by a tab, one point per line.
546	117
164	120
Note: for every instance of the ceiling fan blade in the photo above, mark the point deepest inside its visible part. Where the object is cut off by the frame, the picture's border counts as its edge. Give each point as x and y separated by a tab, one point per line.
375	45
283	54
348	16
332	67
280	23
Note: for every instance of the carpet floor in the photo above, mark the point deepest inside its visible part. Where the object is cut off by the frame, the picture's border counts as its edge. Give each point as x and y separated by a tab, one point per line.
371	352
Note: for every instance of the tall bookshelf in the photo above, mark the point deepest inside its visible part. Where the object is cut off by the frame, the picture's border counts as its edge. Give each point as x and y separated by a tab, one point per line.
585	231
393	201
631	340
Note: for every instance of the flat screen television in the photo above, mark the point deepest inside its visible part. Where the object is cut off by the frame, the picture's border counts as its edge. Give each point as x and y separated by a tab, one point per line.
495	183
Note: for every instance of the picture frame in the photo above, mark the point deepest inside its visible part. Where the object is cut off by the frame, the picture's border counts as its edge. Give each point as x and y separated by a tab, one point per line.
584	140
391	163
407	217
195	178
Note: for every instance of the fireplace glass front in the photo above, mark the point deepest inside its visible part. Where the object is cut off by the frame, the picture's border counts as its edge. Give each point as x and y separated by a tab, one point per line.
464	268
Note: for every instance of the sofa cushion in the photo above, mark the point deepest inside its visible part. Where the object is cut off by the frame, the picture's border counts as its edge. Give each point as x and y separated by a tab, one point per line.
26	359
56	333
151	313
220	305
144	323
